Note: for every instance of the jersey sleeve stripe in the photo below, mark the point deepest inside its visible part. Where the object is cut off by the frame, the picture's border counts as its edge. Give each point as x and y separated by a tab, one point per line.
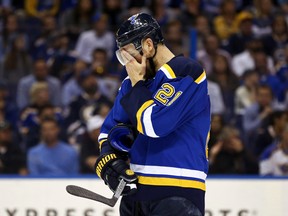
201	78
164	170
140	112
147	122
162	181
102	138
168	71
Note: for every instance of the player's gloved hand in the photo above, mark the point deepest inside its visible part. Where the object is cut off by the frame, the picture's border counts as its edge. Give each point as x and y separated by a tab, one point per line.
121	137
112	168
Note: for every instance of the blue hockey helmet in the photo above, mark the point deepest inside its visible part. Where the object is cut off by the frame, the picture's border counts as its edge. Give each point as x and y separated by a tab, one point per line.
136	28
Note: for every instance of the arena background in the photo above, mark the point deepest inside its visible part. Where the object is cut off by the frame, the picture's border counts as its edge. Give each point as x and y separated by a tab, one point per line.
28	195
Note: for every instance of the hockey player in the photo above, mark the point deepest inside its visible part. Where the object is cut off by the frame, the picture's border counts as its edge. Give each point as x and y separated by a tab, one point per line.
165	99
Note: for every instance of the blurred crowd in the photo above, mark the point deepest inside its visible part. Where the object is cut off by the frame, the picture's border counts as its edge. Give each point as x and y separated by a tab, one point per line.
59	77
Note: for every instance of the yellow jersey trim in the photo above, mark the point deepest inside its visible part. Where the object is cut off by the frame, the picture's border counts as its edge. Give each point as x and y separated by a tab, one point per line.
201	78
170	71
101	142
140	112
161	181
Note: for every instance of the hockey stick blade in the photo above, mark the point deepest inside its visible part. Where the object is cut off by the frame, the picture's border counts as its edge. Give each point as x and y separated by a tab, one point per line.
84	193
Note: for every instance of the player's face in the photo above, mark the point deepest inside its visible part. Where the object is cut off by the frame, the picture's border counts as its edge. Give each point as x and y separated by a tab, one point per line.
137	54
130	48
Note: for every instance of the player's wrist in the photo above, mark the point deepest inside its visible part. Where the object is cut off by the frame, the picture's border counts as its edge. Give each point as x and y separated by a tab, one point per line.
135	82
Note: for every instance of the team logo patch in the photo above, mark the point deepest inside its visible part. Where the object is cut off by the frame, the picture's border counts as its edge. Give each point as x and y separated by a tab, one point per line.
129	172
133	19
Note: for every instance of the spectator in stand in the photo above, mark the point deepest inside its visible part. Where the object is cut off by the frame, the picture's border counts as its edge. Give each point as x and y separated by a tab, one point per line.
211	49
284	8
162	13
213	7
237	41
39	9
268	77
6	6
114	10
282	74
10	30
245	95
40	74
255	116
133	7
228	82
108	79
229	155
175	40
61	56
274	160
17	62
12	159
101	66
77	19
225	24
274	44
216	98
98	37
72	89
245	60
217	125
37	12
89	144
8	110
191	9
84	106
203	29
39	98
271	134
31	121
52	156
261	63
43	44
264	11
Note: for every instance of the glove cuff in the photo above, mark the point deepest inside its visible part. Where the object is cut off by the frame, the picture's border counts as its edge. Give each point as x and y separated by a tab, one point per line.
122	136
103	161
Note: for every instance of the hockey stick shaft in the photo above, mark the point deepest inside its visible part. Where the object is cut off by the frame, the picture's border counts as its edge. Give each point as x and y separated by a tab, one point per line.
84	193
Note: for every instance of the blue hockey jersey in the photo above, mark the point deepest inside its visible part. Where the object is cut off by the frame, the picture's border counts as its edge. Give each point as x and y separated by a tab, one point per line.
172	114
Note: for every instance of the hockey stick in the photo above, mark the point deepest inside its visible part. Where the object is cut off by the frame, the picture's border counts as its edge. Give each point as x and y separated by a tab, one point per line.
82	192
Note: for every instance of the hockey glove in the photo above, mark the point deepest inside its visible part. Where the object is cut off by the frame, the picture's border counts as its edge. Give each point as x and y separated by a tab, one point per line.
112	168
122	136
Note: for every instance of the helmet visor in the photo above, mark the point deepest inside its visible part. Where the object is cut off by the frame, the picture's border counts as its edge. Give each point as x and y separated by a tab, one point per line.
127	53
